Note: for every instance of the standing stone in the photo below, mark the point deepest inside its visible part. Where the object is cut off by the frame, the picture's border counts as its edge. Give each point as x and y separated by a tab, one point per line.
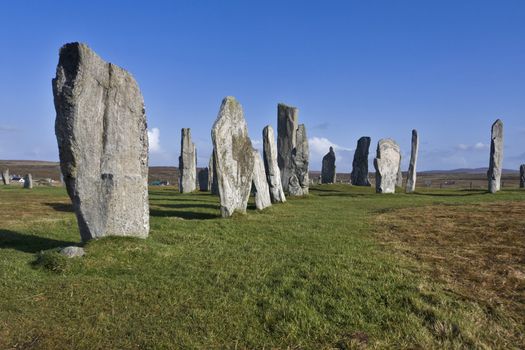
386	164
273	175
359	176
299	180
187	163
103	144
28	181
328	168
233	157
203	180
411	177
399	178
5	177
522	176
259	183
496	157
212	179
287	118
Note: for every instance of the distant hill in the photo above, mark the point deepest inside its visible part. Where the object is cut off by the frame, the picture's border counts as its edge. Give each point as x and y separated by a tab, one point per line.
466	171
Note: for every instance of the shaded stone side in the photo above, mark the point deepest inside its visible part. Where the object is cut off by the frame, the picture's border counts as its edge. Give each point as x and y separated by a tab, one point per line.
299	182
496	157
359	176
273	175
287	119
259	183
412	172
233	157
28	181
328	168
5	177
386	164
522	176
203	180
212	179
103	144
187	163
399	178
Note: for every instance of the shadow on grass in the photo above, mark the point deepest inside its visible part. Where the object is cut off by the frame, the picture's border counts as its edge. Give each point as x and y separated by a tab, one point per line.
65	207
462	194
189	205
186	215
29	243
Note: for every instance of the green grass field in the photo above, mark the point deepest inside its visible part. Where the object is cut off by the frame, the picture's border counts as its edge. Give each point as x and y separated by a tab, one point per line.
343	268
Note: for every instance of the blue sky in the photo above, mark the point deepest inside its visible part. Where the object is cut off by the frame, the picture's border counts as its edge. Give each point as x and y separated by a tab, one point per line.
354	68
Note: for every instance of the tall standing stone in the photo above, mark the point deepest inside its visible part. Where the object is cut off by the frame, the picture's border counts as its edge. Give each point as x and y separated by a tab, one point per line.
273	175
399	178
496	157
187	163
259	182
5	177
386	164
203	180
328	168
28	181
411	177
287	119
233	157
103	144
299	181
212	179
522	176
359	176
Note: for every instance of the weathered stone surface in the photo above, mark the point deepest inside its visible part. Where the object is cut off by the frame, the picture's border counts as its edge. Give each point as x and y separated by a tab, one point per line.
103	144
212	179
187	163
28	181
386	164
287	119
359	176
5	177
399	178
328	168
411	177
72	251
259	183
522	176
273	175
203	180
496	157
233	157
299	180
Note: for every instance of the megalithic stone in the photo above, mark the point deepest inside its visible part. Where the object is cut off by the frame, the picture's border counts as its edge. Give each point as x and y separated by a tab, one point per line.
259	183
28	181
273	175
299	181
399	178
496	157
203	180
359	176
386	164
103	144
522	176
187	163
212	179
233	157
287	120
328	168
411	177
5	177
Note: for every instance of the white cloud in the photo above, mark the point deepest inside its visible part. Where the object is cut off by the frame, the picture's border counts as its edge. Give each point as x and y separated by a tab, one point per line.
321	146
478	146
154	140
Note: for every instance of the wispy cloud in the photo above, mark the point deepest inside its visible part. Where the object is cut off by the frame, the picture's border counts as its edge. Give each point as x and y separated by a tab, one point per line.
4	128
322	126
321	145
478	146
